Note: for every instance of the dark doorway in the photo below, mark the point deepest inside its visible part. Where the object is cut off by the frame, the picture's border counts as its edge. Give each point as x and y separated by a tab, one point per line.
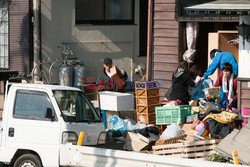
201	58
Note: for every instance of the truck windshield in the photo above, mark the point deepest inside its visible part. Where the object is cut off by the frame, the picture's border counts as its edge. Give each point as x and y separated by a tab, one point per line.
75	106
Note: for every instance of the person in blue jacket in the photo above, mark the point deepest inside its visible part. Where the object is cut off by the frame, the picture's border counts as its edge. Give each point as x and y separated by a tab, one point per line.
219	58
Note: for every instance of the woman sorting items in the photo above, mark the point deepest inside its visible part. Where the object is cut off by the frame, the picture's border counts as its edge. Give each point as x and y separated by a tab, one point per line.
180	82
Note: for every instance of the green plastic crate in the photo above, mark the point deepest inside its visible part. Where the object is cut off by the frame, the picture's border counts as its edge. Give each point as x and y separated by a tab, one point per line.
170	114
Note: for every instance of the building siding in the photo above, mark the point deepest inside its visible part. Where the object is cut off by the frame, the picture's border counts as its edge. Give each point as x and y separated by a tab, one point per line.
243	93
19	36
165	42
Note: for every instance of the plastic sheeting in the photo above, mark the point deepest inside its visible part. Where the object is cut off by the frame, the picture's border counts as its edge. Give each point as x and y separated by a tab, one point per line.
192	29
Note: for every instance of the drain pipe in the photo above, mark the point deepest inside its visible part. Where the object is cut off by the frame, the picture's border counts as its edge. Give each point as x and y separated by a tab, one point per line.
37	38
149	41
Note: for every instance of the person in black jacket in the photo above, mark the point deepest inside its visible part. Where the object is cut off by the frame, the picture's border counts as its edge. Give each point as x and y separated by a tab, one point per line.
107	80
180	82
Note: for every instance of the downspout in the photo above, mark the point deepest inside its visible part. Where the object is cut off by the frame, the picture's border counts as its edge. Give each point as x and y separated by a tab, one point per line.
149	40
37	38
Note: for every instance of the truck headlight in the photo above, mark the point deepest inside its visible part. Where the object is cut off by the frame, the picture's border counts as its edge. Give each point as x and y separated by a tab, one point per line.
69	137
102	138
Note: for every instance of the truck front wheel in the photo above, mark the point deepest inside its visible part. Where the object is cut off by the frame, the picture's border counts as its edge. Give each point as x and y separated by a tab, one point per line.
28	160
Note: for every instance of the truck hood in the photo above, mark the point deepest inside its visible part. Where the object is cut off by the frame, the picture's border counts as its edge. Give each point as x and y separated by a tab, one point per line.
91	130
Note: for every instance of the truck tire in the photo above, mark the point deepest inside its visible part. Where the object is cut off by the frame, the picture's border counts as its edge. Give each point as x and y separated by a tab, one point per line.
27	160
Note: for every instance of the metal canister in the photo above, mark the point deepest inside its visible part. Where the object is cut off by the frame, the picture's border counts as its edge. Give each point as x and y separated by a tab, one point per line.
66	75
79	75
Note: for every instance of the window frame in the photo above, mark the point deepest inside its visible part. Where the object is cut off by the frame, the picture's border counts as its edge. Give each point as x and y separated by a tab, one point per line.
109	22
4	34
86	101
34	92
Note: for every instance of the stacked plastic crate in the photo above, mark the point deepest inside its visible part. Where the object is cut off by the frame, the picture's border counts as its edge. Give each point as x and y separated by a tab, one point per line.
147	98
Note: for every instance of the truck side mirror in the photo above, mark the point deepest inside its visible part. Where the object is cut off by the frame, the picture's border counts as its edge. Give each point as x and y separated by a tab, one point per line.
50	114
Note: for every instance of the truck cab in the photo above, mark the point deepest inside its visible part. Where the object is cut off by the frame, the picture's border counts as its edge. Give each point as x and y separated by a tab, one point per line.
37	118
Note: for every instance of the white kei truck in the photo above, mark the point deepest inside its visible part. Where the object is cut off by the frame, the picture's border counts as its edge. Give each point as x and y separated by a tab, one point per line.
41	124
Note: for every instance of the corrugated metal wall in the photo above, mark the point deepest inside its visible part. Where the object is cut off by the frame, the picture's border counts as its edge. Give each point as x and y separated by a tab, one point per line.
165	43
19	36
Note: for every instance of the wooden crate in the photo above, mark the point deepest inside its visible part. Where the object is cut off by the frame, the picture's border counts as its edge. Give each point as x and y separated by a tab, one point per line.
146	118
144	101
147	98
187	149
141	109
147	84
155	92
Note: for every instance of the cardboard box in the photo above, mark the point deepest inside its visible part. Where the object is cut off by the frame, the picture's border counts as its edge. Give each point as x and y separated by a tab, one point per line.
135	142
117	76
115	101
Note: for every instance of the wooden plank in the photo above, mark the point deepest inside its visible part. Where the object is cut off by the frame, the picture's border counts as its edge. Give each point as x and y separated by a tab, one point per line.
201	148
245	94
180	150
162	74
193	149
169	24
165	50
244	85
164	32
245	103
164	1
158	147
165	41
213	39
164	15
185	144
166	58
170	67
164	7
195	143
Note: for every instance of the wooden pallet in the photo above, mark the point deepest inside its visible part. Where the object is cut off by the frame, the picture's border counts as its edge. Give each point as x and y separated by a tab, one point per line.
171	140
187	149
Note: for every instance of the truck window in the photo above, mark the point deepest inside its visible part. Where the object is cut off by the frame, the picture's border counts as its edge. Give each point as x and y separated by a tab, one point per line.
75	106
31	105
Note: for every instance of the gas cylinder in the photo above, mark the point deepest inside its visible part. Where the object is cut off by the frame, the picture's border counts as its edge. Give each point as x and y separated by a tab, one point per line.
66	74
79	75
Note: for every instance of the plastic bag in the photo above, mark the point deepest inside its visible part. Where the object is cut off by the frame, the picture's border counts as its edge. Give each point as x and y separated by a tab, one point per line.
116	123
172	131
198	90
208	83
132	125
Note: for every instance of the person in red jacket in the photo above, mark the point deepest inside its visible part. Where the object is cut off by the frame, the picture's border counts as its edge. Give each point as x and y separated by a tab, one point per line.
228	83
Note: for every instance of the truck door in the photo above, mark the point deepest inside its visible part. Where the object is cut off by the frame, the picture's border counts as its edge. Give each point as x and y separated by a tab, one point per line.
29	129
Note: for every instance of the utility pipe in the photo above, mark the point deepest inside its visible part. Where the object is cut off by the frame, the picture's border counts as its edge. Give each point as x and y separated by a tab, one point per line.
149	40
37	37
